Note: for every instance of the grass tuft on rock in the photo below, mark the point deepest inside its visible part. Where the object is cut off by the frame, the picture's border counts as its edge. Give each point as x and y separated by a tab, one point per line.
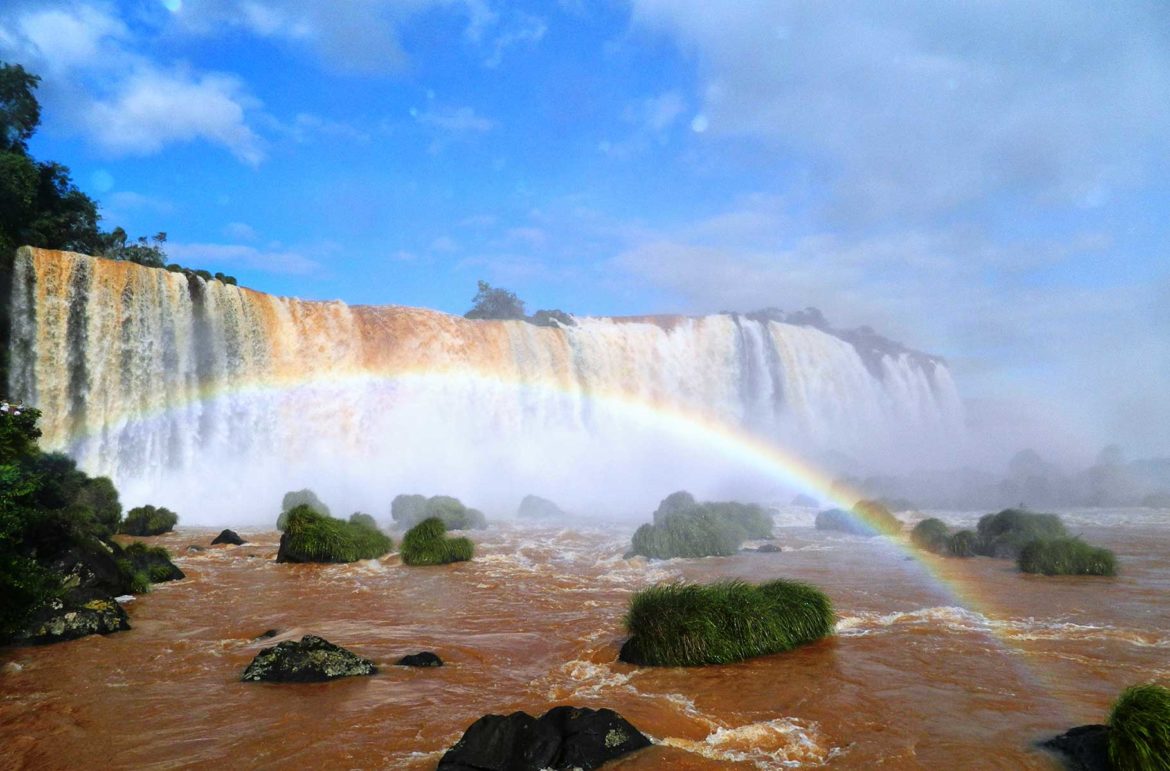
149	520
313	537
1006	533
409	510
696	624
964	543
867	518
1066	557
1139	729
427	544
688	533
931	535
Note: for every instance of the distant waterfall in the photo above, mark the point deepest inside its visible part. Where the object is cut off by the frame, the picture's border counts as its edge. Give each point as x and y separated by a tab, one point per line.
181	388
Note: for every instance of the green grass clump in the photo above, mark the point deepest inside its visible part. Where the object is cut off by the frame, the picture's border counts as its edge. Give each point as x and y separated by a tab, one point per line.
694	532
294	498
363	519
964	543
1005	534
312	537
696	624
931	535
756	522
1139	729
427	544
149	520
1066	557
409	510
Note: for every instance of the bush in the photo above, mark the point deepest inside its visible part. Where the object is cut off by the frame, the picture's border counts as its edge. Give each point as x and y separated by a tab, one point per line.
1066	557
964	543
427	544
678	501
149	520
877	516
154	562
695	624
535	507
408	510
363	520
295	498
692	532
756	522
931	535
1139	729
1006	533
313	537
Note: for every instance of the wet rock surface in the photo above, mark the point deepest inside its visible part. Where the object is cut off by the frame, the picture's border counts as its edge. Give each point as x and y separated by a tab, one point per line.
311	659
1086	747
422	659
229	537
60	621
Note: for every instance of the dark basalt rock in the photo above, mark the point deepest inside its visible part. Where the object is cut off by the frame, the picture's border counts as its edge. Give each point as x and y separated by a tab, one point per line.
562	738
89	571
312	659
267	634
768	548
1086	747
60	621
229	536
422	659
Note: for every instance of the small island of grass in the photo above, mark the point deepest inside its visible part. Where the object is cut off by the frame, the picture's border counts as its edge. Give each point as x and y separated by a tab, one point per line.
683	527
1066	557
427	544
149	520
695	624
409	510
310	536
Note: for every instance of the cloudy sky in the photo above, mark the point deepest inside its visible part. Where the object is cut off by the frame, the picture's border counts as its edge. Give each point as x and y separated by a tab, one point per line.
986	181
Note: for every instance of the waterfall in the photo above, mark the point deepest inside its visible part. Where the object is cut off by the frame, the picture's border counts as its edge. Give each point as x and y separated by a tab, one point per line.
216	398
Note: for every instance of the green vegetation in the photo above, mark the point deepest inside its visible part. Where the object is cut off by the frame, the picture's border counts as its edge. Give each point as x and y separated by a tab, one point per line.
1005	534
683	527
363	519
1139	729
427	544
695	624
1066	557
931	535
310	536
153	561
408	510
54	521
964	543
877	516
495	303
295	498
149	520
868	518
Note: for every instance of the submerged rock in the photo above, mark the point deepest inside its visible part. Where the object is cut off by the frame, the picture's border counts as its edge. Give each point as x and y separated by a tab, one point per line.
1086	747
422	659
229	537
312	659
59	621
562	738
768	548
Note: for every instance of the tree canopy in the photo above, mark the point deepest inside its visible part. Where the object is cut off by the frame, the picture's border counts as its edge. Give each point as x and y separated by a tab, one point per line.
495	303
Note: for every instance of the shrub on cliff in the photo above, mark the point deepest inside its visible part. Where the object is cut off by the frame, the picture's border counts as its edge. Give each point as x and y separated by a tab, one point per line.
1005	534
931	535
313	537
1139	729
695	624
1066	557
427	544
149	520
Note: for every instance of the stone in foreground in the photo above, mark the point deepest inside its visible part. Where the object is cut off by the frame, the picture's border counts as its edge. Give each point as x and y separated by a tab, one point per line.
58	622
229	537
563	738
310	660
422	659
1086	747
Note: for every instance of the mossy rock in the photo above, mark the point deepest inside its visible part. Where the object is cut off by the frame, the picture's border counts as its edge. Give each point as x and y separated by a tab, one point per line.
535	507
59	621
312	537
720	623
154	561
148	520
427	544
311	659
1066	557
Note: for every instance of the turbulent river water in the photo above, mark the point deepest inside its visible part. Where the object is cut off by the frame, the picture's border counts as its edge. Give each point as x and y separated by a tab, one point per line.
939	665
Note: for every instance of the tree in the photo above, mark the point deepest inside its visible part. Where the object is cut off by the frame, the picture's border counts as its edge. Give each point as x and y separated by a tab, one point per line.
19	112
148	253
495	303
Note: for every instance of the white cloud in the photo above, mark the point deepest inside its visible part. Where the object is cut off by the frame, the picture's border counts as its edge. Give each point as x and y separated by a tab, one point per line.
455	120
270	260
240	231
525	29
444	244
923	107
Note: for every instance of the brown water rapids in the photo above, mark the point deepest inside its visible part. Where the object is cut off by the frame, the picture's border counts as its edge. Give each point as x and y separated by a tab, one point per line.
917	676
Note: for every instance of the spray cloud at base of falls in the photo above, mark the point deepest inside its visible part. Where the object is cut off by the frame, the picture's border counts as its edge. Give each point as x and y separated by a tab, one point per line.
217	399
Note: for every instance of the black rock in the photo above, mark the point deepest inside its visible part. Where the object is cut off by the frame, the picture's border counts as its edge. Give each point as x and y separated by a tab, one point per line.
90	571
423	659
310	660
562	738
60	621
768	548
267	634
1086	747
229	536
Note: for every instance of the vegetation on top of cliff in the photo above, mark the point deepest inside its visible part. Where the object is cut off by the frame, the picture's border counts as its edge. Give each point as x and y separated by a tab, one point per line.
1139	729
683	625
310	536
427	544
503	305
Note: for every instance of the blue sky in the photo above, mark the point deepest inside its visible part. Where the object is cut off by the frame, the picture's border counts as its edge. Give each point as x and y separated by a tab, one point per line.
985	181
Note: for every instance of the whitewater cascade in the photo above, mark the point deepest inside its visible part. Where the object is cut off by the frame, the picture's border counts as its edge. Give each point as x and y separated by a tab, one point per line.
216	398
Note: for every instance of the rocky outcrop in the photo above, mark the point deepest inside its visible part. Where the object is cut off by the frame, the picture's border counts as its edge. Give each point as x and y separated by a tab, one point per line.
423	659
1086	747
562	738
229	537
535	507
155	562
59	621
312	659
